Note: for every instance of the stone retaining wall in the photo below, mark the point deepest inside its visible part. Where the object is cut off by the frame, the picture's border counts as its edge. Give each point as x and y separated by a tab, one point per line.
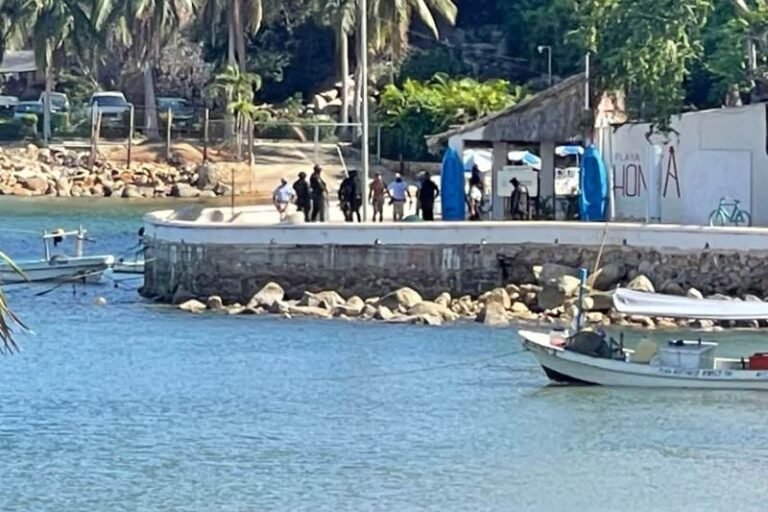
237	271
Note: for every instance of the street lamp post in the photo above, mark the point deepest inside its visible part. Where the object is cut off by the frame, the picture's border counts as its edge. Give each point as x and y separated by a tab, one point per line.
364	97
548	49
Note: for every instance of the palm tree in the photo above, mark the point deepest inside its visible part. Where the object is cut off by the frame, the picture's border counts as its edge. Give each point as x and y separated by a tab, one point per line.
8	320
241	17
15	16
239	90
145	27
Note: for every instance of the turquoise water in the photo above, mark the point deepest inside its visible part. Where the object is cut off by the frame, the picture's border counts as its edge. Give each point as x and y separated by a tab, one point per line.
137	407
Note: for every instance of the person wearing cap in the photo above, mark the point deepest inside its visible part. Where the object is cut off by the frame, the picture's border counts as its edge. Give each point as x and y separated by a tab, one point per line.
319	194
303	200
282	197
377	191
398	191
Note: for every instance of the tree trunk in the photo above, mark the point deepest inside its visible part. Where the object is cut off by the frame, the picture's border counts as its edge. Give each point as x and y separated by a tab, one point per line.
344	56
231	60
47	102
151	126
239	34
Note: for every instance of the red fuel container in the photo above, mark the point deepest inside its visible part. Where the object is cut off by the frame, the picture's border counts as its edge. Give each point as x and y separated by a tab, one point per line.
758	361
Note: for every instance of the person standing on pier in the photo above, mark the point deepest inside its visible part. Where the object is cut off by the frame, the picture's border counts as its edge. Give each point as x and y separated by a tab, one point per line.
428	193
398	191
475	196
303	200
351	196
319	193
377	191
519	208
282	197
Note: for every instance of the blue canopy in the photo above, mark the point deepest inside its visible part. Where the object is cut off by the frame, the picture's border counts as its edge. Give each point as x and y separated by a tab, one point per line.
452	191
594	186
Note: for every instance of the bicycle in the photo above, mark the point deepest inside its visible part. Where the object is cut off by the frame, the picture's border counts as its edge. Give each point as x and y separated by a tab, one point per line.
721	216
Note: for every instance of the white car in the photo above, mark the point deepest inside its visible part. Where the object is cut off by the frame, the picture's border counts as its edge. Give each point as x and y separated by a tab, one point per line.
112	106
59	101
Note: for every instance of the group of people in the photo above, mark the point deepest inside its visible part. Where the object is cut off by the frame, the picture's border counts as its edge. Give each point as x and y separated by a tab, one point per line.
311	198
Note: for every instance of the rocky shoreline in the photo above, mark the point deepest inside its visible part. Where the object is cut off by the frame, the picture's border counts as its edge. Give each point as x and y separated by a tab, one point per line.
550	301
50	172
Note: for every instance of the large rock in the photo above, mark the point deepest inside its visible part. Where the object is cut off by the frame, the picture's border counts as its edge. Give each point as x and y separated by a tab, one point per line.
214	303
549	271
671	287
569	284
693	293
192	306
402	299
267	296
384	313
497	295
328	300
641	284
493	314
356	302
314	312
444	299
131	192
38	185
553	295
519	308
598	301
184	191
433	309
608	276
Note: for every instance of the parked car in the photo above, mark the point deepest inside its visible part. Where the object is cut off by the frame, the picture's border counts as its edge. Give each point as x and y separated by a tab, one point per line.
111	104
28	107
7	105
180	108
59	101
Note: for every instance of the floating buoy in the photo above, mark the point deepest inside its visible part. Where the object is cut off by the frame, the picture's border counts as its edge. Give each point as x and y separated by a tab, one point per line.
100	301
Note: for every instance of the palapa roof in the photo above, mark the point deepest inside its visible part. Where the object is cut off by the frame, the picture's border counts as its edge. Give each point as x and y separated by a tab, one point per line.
22	61
555	114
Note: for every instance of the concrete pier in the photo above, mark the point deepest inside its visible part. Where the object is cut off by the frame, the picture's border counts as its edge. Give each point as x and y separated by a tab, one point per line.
233	253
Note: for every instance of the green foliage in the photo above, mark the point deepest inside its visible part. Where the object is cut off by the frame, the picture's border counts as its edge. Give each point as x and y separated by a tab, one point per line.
424	64
60	122
645	48
417	109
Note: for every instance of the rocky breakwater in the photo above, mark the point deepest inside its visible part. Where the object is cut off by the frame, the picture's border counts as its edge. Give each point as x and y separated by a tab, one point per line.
551	300
33	172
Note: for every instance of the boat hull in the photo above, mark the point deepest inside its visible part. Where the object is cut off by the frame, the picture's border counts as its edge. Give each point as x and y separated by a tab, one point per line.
566	366
58	269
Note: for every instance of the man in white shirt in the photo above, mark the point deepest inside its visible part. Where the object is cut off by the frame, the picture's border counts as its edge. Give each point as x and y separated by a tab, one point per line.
282	197
398	191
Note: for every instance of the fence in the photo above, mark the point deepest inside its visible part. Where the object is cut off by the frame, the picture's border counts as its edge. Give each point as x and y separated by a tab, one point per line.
181	127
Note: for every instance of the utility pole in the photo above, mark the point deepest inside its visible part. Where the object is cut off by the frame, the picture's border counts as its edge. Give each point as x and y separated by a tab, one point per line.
548	49
364	97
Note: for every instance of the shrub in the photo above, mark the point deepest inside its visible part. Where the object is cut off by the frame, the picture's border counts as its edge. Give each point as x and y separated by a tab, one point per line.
421	108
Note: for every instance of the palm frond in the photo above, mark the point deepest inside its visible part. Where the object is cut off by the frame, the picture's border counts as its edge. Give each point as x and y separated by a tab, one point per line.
8	319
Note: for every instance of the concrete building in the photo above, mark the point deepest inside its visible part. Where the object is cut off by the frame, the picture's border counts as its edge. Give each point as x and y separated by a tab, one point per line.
679	178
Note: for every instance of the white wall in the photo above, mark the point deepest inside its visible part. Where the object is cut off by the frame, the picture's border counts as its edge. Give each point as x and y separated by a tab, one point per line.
714	154
687	238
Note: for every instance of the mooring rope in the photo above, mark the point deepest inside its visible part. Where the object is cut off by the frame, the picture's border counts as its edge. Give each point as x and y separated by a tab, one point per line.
423	369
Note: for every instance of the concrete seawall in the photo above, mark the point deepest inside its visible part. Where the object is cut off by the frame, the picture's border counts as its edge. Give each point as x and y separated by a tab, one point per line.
206	254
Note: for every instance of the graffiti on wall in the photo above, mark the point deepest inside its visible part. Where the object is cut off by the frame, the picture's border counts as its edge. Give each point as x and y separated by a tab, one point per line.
629	177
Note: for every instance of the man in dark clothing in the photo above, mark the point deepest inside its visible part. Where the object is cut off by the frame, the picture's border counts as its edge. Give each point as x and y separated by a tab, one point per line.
319	193
427	195
303	201
518	200
351	196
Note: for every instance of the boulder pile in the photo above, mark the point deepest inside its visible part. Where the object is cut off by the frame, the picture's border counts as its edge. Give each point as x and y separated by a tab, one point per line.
552	299
33	172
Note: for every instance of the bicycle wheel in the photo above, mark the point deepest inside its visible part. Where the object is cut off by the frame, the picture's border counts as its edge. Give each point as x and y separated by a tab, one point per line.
742	218
717	218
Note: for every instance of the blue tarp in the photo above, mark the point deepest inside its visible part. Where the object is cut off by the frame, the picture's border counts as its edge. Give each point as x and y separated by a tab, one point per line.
594	186
452	189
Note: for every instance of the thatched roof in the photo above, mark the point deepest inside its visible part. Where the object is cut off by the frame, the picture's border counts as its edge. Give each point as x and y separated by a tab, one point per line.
18	62
553	115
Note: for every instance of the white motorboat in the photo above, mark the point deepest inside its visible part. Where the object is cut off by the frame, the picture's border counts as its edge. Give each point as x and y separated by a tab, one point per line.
592	358
58	267
123	266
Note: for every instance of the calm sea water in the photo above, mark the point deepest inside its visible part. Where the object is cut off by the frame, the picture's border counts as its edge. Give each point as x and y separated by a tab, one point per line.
137	407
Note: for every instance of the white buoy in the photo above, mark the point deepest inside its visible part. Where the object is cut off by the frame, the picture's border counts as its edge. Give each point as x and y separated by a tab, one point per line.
100	301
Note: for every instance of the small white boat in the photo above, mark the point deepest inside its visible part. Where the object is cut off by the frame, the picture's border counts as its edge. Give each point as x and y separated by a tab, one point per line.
123	266
592	358
58	267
